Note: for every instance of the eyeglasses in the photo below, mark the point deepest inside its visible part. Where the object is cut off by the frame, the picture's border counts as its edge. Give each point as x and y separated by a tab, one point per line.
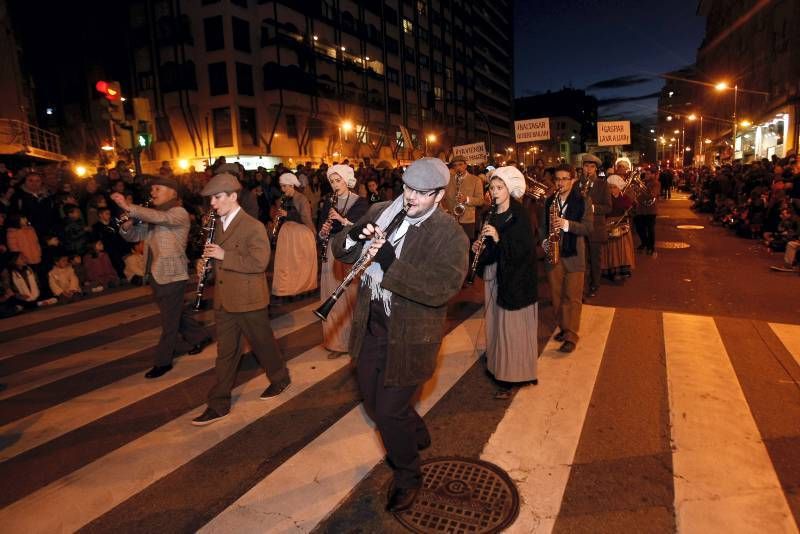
429	193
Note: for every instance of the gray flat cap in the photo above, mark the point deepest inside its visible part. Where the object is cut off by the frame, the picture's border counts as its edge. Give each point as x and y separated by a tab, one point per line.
426	174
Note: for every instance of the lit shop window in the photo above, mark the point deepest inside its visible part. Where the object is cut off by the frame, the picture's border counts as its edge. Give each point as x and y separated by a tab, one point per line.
408	26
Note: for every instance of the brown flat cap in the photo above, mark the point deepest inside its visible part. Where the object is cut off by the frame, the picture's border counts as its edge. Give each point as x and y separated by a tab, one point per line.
172	183
221	183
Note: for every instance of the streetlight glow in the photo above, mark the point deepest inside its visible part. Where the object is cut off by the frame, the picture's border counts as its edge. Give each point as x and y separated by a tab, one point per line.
692	117
721	86
347	126
183	164
707	141
669	118
80	170
746	123
431	138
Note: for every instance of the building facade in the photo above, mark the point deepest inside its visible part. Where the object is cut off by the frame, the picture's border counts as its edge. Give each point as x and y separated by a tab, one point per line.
322	80
754	48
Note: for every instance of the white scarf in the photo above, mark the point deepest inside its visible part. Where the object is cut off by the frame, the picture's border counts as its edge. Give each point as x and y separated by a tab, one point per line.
373	276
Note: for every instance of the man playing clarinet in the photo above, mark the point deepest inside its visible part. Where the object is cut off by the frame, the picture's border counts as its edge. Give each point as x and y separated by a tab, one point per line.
398	322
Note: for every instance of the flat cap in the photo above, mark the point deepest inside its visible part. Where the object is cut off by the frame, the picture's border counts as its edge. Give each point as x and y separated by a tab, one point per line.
591	158
229	168
426	174
221	183
458	159
166	181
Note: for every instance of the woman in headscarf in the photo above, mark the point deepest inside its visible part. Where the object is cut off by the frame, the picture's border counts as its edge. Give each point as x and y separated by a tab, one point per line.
342	208
617	254
295	270
508	268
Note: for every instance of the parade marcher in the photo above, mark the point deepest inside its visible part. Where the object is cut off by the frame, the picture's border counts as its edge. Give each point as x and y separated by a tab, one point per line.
464	192
165	236
571	218
240	254
617	258
508	266
295	270
342	208
247	199
399	318
600	195
645	219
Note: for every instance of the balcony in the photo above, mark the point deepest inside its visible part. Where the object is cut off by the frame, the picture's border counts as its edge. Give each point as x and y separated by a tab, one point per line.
23	139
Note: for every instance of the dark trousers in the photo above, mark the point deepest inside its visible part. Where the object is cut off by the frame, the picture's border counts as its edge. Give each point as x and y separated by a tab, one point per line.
646	228
400	426
179	331
231	326
595	247
666	190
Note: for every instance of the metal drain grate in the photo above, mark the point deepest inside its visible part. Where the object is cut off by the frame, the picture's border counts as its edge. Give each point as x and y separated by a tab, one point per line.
672	244
460	495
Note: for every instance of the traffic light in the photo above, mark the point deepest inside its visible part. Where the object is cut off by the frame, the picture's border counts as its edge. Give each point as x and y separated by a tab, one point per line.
112	93
143	140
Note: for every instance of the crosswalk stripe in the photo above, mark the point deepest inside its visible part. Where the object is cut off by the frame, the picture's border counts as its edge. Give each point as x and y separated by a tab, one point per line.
724	480
44	426
308	486
51	337
96	488
42	316
536	440
789	334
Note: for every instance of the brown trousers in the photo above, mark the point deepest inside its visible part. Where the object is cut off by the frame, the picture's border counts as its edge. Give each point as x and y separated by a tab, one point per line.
567	291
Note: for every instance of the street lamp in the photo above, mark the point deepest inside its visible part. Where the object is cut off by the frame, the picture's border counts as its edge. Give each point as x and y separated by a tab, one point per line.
723	86
347	127
430	138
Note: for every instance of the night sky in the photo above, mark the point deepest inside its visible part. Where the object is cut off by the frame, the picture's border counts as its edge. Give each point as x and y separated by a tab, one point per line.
611	48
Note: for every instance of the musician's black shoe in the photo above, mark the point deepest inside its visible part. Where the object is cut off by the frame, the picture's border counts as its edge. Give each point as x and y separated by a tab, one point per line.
276	388
401	499
207	417
567	346
559	336
593	291
197	349
157	371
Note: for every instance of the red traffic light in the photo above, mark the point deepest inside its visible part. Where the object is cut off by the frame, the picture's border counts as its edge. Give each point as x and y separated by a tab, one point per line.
109	89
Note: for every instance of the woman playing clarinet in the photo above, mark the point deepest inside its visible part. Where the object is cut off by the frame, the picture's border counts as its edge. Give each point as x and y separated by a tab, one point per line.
508	268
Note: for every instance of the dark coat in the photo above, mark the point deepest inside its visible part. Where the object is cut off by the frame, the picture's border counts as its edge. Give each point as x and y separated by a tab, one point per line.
515	256
356	209
429	272
600	195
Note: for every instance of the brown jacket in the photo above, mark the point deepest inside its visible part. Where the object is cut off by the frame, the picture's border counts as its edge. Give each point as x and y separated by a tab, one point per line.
422	282
241	280
471	187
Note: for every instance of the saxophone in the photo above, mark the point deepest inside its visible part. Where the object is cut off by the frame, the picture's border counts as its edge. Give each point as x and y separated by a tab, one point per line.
553	242
278	223
323	241
461	207
202	275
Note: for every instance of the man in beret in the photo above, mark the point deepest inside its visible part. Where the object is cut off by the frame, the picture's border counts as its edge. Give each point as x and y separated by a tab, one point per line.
600	195
400	311
165	236
240	254
464	189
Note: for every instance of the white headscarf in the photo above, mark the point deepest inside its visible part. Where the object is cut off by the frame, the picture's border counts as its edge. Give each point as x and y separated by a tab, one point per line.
616	179
289	178
346	172
513	178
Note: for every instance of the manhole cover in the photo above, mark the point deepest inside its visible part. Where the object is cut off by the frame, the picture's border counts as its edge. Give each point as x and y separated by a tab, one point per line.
689	227
461	495
672	244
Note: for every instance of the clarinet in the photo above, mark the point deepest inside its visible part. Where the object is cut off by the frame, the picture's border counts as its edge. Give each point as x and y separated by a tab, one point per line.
202	276
324	240
473	269
359	267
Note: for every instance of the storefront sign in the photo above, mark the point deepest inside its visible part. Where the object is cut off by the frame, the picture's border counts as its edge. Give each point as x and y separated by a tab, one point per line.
532	130
614	133
474	153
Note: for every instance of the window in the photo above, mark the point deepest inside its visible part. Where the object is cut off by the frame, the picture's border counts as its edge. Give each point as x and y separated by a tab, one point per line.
411	82
408	26
241	35
421	7
423	34
223	136
392	46
393	75
410	53
448	73
240	3
424	86
244	79
248	132
437	67
390	15
394	105
291	126
215	36
437	91
217	79
423	60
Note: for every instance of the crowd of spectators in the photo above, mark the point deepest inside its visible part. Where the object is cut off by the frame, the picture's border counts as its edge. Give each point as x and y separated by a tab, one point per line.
758	200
